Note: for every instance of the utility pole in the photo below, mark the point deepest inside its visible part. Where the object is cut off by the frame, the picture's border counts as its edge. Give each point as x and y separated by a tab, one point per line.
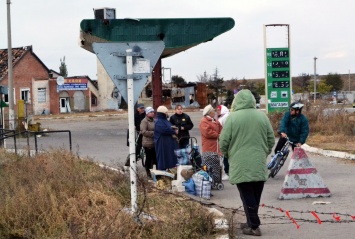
10	70
349	81
315	79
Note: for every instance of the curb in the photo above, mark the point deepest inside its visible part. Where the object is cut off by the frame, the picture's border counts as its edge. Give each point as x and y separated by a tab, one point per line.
329	153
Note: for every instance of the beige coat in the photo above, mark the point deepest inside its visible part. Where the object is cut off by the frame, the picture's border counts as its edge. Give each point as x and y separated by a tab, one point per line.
147	130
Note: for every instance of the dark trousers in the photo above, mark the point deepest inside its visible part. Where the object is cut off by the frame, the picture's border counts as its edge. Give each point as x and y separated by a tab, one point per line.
150	159
183	142
280	144
250	193
226	165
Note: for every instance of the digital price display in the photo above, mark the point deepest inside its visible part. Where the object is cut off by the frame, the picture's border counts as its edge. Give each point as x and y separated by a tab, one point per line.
279	54
280	74
280	64
280	84
278	78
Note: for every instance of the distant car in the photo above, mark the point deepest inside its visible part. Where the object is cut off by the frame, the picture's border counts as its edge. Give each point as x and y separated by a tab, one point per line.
318	95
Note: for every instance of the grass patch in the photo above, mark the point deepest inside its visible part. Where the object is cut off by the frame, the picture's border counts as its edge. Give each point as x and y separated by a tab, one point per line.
57	195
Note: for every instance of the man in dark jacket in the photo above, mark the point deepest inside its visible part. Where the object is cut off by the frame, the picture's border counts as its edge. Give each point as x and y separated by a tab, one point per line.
139	115
184	124
294	125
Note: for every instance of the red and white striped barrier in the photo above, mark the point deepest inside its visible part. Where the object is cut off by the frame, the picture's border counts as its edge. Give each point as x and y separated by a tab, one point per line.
302	179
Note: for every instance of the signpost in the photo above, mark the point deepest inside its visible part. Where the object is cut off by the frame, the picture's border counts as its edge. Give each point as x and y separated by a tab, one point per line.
129	64
277	67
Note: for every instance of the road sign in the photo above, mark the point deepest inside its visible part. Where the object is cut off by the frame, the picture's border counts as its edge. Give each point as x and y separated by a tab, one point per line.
113	58
4	90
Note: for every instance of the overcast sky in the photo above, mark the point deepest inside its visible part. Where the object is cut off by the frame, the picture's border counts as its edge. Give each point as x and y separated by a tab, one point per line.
322	29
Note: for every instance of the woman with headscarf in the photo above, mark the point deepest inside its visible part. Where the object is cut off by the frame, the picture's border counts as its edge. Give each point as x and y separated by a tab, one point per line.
165	140
210	130
147	130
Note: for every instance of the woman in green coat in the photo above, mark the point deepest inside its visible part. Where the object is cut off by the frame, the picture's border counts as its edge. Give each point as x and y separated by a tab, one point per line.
247	139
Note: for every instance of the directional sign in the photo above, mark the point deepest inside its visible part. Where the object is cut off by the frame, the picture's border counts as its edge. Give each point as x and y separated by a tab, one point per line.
113	58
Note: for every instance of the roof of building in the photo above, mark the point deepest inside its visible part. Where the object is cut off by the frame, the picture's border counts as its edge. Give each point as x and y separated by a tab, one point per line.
178	34
17	54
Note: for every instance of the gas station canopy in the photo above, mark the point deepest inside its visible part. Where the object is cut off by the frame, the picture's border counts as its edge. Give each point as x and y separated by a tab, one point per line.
178	34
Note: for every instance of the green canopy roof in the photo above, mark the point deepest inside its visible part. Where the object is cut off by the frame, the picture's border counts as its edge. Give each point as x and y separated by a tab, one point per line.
178	34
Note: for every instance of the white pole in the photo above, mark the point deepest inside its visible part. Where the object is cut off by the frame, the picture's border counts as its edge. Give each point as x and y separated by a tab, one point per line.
132	146
315	79
10	70
349	81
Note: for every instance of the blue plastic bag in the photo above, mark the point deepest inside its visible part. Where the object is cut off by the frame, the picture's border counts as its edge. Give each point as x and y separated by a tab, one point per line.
189	186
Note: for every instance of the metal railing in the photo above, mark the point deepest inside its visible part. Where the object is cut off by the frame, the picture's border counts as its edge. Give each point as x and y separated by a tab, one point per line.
6	133
35	133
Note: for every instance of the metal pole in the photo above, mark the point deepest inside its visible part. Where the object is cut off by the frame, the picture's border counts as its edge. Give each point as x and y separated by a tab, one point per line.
132	149
349	81
315	79
10	70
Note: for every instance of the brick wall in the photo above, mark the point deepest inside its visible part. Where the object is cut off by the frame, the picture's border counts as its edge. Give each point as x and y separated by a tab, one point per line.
28	68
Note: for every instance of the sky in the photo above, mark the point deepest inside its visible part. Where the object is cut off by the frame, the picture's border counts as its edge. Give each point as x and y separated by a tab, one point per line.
322	29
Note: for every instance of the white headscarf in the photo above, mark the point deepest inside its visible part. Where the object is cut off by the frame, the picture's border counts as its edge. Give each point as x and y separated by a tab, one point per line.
224	114
207	110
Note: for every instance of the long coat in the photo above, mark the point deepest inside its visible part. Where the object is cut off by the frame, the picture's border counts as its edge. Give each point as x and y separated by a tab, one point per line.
247	139
210	130
147	130
164	142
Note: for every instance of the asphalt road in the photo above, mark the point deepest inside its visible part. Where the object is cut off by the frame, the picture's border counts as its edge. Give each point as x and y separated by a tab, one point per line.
103	139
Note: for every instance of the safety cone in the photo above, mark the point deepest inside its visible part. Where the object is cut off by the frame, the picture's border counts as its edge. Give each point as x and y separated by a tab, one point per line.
302	179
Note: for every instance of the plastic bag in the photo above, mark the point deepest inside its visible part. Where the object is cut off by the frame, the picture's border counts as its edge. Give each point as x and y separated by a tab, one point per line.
202	186
189	186
183	156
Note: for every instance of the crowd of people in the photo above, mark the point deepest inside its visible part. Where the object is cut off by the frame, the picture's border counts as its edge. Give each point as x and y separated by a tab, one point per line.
242	136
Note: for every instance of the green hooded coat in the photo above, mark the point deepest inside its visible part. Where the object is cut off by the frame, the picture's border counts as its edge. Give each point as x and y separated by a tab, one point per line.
247	139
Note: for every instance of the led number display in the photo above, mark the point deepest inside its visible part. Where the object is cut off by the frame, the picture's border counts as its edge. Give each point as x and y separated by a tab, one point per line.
279	54
280	74
280	64
280	84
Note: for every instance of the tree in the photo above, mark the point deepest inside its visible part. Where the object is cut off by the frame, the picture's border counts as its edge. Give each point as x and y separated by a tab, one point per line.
254	90
321	87
335	81
216	83
229	98
300	84
204	78
63	68
260	88
178	80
